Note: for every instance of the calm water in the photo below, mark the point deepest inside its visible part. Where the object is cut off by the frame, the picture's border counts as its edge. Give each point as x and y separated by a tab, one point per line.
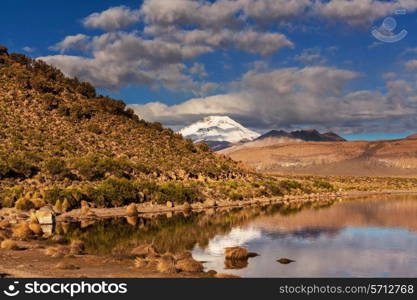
374	237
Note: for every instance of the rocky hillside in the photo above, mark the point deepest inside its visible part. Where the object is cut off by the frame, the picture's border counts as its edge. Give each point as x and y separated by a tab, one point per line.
57	132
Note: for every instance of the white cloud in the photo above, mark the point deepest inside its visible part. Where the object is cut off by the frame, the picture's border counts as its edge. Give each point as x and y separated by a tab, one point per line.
29	49
294	97
79	42
361	12
114	18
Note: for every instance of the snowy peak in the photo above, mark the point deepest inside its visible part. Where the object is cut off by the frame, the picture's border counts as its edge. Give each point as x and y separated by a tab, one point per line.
218	129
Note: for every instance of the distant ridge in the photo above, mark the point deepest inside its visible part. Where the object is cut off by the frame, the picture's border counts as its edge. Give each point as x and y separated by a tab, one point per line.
412	137
309	135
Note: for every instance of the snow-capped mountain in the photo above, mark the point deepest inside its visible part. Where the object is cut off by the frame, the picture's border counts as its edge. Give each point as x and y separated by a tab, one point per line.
219	129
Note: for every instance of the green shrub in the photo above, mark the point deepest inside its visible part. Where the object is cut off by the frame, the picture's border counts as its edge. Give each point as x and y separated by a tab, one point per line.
71	195
86	89
323	185
94	167
24	204
4	168
57	167
21	166
290	185
114	192
50	102
10	195
178	193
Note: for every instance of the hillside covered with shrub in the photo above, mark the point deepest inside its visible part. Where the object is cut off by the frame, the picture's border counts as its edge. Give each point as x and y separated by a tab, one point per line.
61	143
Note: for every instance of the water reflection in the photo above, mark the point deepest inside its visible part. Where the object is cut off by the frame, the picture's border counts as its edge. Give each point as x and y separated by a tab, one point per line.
368	237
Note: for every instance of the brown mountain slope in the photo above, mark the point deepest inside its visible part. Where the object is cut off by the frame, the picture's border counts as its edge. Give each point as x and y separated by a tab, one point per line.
377	158
56	134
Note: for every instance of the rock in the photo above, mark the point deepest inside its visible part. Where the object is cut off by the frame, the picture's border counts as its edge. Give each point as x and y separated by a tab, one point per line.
55	252
66	266
132	209
36	228
143	251
45	216
211	273
9	245
189	265
235	263
169	204
166	264
132	220
285	261
22	231
236	253
186	206
252	254
210	203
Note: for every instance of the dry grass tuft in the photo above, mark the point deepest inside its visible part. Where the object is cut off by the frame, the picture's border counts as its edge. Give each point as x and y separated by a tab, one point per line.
9	245
141	262
22	231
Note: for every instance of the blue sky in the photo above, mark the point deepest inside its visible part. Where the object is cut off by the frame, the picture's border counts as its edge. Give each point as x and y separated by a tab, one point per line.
269	64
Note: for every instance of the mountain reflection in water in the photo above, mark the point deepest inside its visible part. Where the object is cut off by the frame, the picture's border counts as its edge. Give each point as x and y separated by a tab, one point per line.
372	237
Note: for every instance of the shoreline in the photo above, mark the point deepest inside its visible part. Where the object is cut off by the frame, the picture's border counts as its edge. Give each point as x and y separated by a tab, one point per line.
147	210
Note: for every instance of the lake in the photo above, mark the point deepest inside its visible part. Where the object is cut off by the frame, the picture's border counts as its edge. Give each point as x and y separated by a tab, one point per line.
370	237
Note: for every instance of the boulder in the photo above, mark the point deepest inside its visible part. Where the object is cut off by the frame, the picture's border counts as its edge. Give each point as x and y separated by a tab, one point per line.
166	264
285	261
45	215
131	209
189	265
236	253
143	251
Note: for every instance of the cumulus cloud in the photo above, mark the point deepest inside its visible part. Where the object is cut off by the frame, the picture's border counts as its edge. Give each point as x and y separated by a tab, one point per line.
175	32
79	42
361	12
293	97
114	18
